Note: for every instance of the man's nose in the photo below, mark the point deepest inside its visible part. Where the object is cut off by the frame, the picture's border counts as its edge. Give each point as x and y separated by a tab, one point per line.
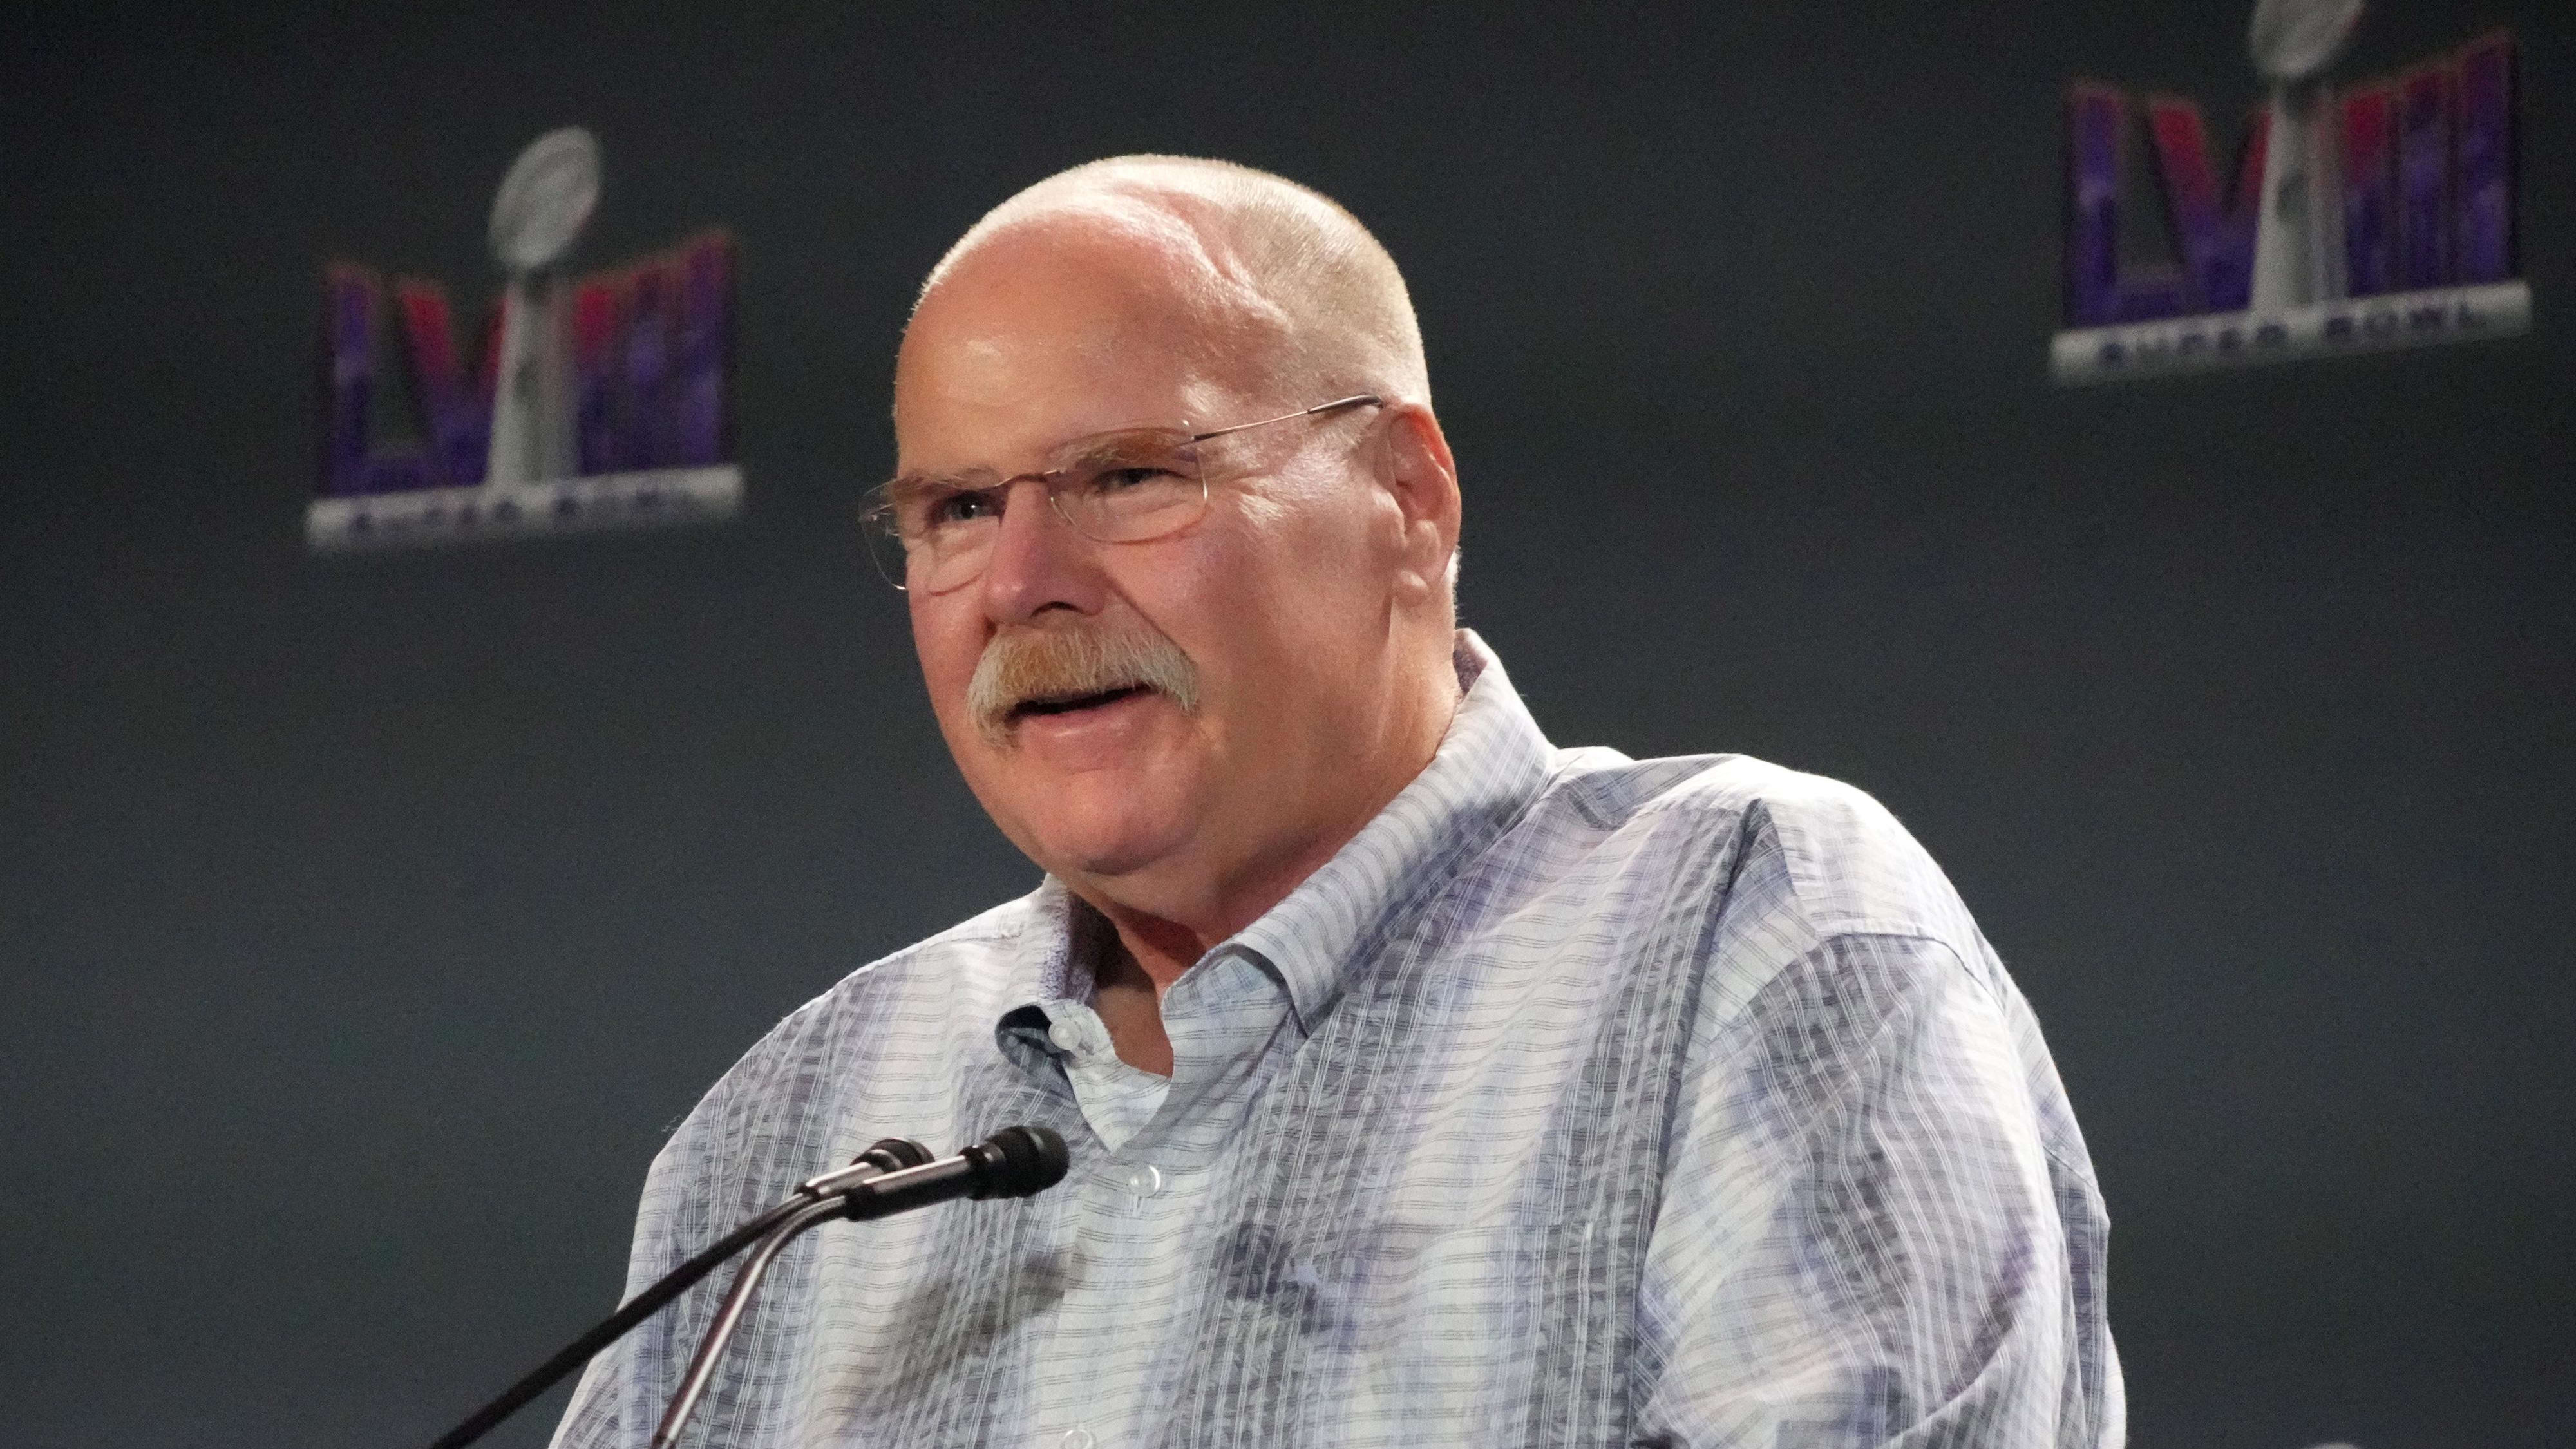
1039	562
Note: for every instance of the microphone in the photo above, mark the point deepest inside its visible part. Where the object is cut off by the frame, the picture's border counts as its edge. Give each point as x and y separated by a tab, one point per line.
1014	1162
885	1155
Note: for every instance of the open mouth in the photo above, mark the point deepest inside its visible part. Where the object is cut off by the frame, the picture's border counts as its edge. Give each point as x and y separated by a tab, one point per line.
1073	703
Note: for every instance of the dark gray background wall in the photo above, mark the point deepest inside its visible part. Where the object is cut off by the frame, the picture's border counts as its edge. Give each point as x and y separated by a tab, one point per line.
364	925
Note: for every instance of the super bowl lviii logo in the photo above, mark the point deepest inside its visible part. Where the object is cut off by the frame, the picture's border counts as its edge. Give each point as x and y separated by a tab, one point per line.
591	402
2360	217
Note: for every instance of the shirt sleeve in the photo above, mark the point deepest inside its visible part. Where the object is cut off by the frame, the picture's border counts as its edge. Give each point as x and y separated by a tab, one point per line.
590	1420
617	1402
1868	1235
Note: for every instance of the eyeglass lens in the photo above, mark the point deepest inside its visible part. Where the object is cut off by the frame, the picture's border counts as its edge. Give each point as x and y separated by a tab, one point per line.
1129	486
1123	487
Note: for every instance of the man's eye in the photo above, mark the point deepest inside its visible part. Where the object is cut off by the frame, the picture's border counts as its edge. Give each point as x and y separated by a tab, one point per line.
1121	480
951	509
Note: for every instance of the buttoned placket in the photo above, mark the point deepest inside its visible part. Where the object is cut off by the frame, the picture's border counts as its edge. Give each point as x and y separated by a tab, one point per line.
1117	1100
1136	1218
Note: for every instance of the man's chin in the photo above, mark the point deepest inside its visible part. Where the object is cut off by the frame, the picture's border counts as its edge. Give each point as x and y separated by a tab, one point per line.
1110	847
1098	792
1110	820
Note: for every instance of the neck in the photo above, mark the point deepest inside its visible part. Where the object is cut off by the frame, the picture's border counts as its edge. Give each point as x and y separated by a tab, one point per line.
1163	932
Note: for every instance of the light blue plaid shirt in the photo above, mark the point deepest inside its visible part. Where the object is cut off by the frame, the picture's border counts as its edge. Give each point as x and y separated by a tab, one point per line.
1578	1101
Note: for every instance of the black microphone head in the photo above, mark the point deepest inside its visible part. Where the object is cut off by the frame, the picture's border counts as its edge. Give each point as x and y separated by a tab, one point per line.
893	1154
1019	1161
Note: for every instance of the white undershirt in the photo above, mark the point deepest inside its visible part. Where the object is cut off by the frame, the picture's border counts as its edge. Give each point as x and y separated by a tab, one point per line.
1116	1099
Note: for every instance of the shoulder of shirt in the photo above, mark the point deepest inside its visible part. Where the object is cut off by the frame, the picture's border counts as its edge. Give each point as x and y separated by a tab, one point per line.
1801	879
1841	861
956	976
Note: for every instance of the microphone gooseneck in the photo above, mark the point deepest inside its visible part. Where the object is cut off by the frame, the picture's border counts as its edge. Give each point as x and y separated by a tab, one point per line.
886	1155
1014	1162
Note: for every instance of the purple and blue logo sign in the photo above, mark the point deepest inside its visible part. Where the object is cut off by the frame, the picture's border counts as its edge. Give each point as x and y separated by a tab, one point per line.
581	403
2357	218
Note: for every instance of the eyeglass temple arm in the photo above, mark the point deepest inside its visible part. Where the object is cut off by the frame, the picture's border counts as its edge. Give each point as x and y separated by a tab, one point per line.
1356	400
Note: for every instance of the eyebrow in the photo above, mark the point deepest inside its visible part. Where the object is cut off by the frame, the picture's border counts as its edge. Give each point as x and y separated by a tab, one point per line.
1124	443
905	485
1075	452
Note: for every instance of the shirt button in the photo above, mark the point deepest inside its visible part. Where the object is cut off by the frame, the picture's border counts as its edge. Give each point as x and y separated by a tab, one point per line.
1065	1037
1143	1180
1075	1439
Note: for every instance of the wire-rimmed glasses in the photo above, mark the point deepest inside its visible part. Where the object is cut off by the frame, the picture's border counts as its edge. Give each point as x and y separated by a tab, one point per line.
1131	485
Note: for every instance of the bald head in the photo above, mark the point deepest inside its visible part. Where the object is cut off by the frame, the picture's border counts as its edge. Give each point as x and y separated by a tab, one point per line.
1303	606
1265	280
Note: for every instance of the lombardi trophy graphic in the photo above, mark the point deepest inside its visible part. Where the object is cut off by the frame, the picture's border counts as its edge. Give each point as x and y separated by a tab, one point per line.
2382	212
600	401
543	204
2298	233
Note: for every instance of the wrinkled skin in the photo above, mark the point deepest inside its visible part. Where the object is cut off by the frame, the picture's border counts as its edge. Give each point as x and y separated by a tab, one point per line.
1311	598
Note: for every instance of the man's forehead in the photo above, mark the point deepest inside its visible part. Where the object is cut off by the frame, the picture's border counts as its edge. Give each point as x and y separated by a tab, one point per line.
1062	323
1161	238
991	352
1014	377
1089	273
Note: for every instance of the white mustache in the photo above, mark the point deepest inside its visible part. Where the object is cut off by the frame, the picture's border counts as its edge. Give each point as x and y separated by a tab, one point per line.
1069	661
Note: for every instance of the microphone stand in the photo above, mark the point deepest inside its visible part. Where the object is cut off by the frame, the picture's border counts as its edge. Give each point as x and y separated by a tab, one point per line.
702	1367
888	1155
1015	1162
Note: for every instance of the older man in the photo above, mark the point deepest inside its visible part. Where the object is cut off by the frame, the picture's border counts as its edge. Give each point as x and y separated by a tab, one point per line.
1424	1083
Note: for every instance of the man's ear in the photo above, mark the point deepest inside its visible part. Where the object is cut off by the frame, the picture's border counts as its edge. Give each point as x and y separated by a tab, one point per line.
1421	476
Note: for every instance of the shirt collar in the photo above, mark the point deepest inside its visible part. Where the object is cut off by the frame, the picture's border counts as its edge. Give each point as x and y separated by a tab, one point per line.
1053	964
1492	762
